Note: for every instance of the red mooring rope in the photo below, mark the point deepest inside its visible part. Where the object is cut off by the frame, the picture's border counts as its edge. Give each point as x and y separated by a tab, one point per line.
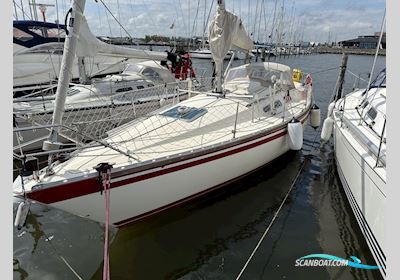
106	176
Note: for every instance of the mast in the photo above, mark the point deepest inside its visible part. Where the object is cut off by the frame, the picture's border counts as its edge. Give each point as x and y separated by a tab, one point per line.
218	65
375	57
34	9
73	26
15	10
273	22
226	30
204	26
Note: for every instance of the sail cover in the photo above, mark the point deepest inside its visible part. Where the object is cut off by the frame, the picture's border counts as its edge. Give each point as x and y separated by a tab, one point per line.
89	45
226	32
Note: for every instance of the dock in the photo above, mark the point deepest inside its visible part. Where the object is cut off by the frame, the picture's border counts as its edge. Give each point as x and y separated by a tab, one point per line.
355	51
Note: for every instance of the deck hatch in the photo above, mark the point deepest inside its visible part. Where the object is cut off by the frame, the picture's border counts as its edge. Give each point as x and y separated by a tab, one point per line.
185	113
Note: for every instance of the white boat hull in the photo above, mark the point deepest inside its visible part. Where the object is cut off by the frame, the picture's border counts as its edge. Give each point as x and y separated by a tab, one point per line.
167	186
365	190
205	55
178	154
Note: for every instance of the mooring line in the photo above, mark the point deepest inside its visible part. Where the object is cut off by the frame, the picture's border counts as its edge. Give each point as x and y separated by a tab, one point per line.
325	70
272	221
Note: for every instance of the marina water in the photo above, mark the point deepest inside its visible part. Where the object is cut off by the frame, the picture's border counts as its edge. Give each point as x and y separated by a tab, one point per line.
213	236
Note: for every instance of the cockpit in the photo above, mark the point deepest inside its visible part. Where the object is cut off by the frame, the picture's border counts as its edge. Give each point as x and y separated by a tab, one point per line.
260	75
150	70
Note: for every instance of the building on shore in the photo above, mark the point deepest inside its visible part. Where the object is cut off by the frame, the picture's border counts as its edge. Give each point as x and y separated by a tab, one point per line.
364	42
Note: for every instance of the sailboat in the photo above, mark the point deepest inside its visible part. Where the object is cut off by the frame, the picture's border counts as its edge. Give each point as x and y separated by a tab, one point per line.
358	124
105	102
255	114
358	121
38	50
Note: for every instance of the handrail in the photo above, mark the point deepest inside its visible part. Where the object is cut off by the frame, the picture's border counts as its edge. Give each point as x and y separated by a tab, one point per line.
105	144
380	142
372	149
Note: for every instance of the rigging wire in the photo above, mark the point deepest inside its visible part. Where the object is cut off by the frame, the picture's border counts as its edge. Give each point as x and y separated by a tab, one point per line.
194	24
357	76
104	4
119	18
375	57
108	21
15	10
183	18
60	256
272	221
259	21
17	6
22	9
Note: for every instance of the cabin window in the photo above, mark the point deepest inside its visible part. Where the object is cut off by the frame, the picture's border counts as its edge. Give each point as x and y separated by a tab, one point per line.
124	89
150	85
267	108
277	104
131	68
73	91
380	80
236	74
372	113
148	72
38	30
364	104
139	87
55	33
21	35
185	113
260	74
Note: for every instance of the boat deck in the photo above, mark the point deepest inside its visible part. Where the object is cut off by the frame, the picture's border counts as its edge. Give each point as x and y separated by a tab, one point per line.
160	136
361	134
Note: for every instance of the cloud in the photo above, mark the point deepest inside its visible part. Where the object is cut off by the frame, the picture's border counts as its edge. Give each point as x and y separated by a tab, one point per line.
314	20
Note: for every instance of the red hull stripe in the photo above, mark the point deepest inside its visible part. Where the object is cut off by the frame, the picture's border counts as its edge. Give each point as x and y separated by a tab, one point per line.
196	162
91	185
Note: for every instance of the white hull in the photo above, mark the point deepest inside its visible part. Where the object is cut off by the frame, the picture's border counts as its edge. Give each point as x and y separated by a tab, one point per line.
140	199
365	190
205	55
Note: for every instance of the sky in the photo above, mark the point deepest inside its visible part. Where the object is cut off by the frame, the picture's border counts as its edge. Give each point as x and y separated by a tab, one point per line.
311	20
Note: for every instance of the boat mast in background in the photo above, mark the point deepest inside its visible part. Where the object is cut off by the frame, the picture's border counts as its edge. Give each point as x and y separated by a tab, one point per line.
378	46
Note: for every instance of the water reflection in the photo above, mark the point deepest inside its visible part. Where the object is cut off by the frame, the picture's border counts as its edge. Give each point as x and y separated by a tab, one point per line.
212	237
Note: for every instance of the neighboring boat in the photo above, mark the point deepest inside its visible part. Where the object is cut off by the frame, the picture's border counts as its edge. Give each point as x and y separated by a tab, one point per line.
38	49
358	121
140	86
205	54
186	150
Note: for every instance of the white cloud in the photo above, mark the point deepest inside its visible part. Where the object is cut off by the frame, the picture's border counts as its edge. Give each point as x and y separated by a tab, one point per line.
315	18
